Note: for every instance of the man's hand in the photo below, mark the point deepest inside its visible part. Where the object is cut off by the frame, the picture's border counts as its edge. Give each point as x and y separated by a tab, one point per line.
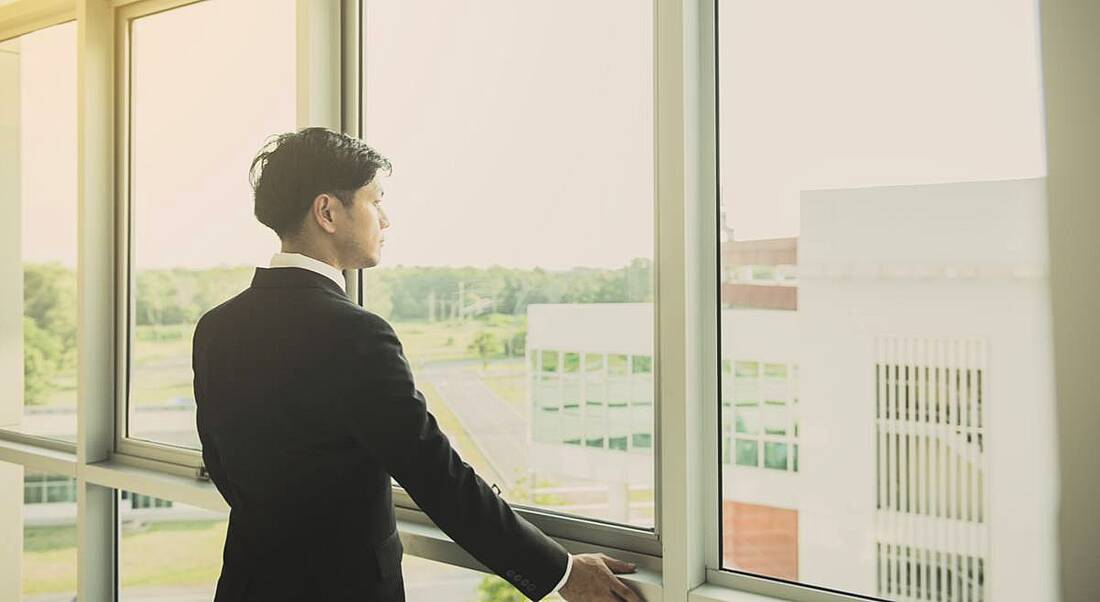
592	579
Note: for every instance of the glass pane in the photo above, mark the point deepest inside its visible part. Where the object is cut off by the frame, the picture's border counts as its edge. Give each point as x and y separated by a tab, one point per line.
430	581
883	247
168	550
521	205
41	565
199	117
747	452
38	241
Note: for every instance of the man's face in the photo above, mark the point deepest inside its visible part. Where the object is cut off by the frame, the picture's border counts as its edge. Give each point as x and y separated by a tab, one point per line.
360	244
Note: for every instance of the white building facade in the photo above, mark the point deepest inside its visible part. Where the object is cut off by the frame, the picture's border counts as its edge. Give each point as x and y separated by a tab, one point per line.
891	435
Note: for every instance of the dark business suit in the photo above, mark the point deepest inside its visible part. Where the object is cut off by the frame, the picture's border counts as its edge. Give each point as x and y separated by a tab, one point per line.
306	407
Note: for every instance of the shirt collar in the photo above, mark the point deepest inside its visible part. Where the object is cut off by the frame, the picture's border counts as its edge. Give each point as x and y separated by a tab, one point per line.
297	260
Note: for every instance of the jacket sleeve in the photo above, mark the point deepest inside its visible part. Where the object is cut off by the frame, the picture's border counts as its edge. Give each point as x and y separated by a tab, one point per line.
389	416
210	457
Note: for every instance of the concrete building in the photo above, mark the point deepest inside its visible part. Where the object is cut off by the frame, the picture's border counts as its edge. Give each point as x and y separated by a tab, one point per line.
887	413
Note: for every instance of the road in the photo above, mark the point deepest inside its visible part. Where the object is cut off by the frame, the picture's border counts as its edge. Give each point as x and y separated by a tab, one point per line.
496	426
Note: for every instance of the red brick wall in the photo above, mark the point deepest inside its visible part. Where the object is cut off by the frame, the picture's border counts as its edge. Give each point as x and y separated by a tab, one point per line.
760	539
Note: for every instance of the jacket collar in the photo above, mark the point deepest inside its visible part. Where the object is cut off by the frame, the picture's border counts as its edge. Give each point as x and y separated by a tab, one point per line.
294	278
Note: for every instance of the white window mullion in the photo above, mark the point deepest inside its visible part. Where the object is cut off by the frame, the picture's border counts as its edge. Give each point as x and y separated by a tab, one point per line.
97	575
686	338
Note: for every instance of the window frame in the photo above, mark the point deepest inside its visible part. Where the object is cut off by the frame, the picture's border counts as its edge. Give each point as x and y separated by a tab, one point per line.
643	544
125	283
19	19
686	268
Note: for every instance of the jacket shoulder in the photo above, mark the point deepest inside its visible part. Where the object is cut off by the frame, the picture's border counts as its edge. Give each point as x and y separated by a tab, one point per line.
213	315
362	320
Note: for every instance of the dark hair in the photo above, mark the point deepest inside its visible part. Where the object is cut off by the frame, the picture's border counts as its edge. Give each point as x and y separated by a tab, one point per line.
293	168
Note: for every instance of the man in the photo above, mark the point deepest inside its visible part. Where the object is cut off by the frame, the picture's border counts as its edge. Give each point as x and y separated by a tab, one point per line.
307	407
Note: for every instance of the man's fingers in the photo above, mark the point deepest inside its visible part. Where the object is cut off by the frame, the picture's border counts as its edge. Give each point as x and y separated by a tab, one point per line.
623	591
618	566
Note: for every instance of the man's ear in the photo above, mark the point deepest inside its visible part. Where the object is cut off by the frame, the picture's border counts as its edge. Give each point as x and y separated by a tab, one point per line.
322	212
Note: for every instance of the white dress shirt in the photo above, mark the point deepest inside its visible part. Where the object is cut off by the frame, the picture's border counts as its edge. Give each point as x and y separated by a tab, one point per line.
297	260
565	577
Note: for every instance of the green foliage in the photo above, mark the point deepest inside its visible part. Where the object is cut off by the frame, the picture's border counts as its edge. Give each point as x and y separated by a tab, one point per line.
495	589
377	296
41	353
49	327
486	345
181	296
168	302
517	345
422	293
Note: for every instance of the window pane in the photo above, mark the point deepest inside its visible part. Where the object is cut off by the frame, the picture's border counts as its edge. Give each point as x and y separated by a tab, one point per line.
168	550
41	565
198	119
429	581
883	298
38	245
518	269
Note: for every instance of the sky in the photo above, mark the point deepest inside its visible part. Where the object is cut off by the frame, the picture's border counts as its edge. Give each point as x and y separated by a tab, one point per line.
521	132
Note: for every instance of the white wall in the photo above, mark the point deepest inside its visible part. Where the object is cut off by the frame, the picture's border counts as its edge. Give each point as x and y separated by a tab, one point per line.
594	328
879	263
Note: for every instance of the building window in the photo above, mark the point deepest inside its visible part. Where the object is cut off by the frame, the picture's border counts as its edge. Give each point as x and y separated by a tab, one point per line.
764	411
911	574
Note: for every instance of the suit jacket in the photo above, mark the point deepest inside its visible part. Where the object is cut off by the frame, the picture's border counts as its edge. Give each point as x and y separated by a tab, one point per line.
306	408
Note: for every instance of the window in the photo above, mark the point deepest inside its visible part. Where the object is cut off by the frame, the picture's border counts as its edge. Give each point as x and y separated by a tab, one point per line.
882	299
764	424
168	550
43	566
428	581
518	268
38	245
197	119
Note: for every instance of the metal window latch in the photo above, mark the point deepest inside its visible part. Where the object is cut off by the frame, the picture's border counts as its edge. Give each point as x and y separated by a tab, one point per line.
201	473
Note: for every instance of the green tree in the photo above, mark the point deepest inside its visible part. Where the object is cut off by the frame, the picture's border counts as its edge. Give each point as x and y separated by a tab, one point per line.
49	298
495	589
485	345
49	327
41	357
377	296
517	345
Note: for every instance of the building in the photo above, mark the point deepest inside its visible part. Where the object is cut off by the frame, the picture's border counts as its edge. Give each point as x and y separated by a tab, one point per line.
877	402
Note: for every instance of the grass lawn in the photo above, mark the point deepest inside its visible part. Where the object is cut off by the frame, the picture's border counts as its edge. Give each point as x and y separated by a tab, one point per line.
163	554
441	341
508	380
170	553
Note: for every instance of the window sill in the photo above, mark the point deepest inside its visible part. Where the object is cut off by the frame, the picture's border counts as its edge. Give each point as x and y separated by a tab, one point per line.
423	539
37	457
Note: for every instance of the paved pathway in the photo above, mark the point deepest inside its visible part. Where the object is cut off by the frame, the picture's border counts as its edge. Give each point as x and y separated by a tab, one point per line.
497	428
